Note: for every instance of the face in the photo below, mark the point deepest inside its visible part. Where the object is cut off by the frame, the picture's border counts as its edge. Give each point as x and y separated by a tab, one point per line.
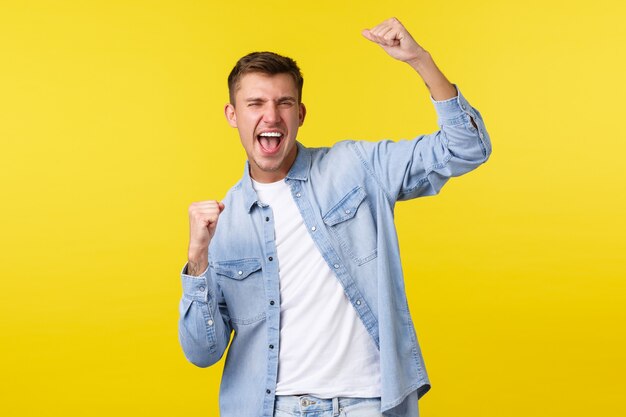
267	115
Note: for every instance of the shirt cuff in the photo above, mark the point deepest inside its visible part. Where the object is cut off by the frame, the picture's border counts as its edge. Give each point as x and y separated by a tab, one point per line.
194	286
450	111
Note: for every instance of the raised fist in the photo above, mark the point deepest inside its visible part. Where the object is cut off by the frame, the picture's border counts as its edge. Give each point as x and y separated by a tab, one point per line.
203	217
393	37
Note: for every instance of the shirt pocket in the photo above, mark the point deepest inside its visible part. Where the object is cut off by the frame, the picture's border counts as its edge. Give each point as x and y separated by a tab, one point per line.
352	224
241	282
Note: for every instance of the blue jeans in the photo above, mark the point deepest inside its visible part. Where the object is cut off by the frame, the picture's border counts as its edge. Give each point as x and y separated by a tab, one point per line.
309	406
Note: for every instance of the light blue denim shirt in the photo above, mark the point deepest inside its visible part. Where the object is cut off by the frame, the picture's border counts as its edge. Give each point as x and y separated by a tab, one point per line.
346	195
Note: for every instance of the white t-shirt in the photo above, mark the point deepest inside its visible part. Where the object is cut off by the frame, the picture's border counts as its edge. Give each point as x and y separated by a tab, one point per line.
325	349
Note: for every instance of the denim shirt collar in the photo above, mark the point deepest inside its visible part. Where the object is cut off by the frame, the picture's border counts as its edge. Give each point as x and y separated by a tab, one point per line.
298	171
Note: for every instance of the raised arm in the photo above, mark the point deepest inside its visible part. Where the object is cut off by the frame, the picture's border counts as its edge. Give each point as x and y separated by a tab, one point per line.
393	37
203	326
421	166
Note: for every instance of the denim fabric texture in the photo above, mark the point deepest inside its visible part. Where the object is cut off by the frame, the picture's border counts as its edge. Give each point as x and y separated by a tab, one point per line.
309	406
346	195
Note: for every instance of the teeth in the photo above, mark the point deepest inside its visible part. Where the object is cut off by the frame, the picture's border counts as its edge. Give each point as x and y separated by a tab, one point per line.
271	134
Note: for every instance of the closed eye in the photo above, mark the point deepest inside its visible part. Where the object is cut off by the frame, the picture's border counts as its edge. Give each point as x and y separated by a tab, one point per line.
286	101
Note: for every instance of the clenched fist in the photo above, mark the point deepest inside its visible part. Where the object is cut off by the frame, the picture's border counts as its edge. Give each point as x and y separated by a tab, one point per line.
203	217
392	36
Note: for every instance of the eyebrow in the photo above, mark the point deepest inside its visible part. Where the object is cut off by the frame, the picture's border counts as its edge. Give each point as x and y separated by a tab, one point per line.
279	99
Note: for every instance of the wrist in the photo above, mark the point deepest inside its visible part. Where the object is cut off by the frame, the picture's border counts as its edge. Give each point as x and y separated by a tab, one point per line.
421	60
198	258
196	269
198	254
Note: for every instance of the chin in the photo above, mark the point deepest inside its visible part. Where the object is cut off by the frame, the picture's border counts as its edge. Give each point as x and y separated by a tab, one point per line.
268	167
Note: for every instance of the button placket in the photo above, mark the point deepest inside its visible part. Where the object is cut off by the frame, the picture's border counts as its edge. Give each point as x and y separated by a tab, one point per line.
270	278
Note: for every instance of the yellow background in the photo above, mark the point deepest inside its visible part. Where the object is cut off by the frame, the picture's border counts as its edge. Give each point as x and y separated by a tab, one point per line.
111	123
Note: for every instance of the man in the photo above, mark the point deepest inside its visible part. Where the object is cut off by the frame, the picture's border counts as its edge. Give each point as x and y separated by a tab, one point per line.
301	258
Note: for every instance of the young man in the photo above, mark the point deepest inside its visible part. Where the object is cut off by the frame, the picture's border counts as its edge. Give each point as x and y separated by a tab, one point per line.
301	258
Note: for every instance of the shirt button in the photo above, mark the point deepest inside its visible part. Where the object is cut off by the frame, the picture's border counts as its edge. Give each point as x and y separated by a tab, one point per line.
210	322
313	228
298	195
336	266
358	302
268	391
270	258
347	211
272	302
267	219
271	346
240	272
201	288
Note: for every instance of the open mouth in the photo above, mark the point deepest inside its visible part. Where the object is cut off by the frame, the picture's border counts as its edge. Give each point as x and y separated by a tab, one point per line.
270	141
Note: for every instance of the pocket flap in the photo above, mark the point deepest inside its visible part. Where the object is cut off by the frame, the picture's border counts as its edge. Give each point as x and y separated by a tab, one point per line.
238	269
346	208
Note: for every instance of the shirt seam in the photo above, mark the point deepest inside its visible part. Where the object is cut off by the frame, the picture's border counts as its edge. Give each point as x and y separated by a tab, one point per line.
428	171
400	400
371	172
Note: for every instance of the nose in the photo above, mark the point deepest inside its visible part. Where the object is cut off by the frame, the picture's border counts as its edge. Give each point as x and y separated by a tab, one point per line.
271	114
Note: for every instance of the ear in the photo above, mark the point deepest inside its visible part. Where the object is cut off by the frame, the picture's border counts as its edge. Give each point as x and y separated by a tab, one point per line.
231	116
302	113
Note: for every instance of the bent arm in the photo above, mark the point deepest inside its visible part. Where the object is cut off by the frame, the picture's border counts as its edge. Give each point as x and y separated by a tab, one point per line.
203	327
409	169
419	167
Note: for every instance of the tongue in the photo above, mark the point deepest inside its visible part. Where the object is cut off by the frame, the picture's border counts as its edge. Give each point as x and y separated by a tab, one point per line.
269	144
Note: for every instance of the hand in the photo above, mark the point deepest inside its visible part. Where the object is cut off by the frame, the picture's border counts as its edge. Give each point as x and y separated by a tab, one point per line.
399	43
203	217
395	40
